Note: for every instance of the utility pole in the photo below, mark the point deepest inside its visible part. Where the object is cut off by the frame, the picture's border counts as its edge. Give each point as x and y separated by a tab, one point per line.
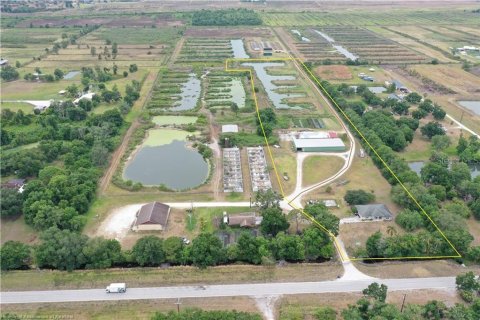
403	303
178	303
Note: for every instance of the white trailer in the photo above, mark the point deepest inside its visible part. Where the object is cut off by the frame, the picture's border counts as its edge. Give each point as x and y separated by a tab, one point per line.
116	288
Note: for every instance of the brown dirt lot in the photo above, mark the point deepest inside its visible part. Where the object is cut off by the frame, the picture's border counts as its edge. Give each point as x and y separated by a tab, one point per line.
423	268
334	72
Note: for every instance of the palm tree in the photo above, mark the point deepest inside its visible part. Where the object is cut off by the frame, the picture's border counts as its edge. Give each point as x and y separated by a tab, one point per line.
391	231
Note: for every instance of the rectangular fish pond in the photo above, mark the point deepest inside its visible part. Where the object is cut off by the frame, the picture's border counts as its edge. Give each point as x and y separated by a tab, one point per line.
278	98
471	105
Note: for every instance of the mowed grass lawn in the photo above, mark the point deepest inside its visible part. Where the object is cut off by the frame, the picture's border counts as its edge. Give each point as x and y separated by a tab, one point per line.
28	90
126	309
180	275
27	108
286	164
319	168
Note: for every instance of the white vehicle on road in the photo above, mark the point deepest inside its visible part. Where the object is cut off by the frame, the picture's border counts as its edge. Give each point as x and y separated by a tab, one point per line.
116	288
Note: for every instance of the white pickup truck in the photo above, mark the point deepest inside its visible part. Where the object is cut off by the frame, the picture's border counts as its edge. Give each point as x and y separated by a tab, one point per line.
116	288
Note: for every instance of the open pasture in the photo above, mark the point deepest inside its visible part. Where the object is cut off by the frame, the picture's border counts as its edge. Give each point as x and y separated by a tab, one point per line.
150	21
147	48
23	44
438	38
412	43
451	76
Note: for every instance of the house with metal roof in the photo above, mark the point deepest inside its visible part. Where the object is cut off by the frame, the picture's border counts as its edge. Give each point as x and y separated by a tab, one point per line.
373	212
152	216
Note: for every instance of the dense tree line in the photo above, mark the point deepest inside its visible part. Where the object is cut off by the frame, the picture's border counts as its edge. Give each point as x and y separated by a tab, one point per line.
226	17
80	141
68	250
437	183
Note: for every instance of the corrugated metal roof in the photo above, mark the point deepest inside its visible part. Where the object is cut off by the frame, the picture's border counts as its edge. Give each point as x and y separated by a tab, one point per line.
318	143
153	213
229	128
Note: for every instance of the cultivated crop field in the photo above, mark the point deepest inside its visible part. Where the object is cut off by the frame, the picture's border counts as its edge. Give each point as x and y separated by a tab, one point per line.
370	17
439	38
205	50
371	47
312	47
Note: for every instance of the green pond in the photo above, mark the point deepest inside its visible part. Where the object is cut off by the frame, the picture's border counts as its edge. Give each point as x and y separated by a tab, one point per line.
165	159
173	120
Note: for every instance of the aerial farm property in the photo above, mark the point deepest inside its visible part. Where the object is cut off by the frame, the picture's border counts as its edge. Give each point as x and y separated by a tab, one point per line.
240	159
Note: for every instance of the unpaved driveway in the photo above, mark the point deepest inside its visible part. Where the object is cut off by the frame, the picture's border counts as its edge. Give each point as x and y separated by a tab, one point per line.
118	222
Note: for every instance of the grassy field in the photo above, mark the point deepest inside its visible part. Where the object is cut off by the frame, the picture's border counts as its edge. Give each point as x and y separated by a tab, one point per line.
27	108
414	269
15	229
362	175
318	168
412	44
144	277
451	76
286	164
126	310
303	306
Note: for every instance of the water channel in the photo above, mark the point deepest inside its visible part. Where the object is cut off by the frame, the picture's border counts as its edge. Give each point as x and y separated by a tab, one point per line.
238	49
340	49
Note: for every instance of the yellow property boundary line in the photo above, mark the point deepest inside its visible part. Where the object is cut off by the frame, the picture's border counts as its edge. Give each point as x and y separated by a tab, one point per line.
343	255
